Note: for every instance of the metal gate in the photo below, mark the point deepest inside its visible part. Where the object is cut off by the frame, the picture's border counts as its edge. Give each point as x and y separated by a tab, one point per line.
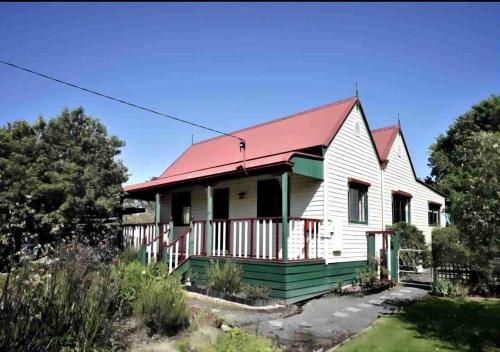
415	267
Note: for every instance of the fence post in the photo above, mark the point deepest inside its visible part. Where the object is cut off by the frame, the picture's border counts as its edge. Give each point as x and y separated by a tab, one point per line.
142	254
395	256
208	225
284	218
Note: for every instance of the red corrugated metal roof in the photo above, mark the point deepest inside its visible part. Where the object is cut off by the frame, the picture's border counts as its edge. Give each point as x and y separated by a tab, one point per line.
267	144
383	138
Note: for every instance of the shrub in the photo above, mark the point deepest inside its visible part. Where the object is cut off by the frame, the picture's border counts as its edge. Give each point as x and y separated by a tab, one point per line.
225	277
162	304
129	255
367	278
446	288
412	238
255	292
131	277
446	245
239	341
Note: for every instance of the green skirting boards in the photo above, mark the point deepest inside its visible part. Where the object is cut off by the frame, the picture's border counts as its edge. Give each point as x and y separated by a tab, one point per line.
291	281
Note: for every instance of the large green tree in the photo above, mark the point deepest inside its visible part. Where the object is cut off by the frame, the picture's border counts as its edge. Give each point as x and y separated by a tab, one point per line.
58	179
465	165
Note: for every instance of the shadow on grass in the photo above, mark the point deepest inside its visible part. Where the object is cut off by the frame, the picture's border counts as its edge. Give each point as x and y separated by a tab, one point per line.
475	325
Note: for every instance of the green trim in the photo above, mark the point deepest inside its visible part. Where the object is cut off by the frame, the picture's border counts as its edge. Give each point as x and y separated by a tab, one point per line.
370	246
143	258
284	216
308	167
157	214
395	256
208	223
171	232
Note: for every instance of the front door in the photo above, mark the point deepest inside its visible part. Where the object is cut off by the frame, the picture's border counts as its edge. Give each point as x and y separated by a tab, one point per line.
221	204
221	209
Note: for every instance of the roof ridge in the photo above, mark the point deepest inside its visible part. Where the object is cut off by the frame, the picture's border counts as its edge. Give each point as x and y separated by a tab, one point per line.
321	107
384	128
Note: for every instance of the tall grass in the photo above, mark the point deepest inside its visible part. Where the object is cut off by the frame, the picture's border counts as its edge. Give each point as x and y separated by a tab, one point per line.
59	308
225	277
162	304
72	304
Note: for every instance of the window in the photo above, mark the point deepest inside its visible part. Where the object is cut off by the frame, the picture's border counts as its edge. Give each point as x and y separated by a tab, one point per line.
358	203
181	208
400	208
269	198
434	218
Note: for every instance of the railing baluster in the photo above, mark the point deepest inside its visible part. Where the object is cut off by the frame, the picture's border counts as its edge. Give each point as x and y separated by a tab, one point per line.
176	254
240	226
170	258
224	225
251	238
270	250
257	236
246	239
218	238
214	239
187	244
264	237
277	249
234	238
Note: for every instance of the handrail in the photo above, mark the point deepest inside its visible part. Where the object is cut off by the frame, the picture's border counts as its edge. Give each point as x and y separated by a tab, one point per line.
247	219
144	224
154	239
168	245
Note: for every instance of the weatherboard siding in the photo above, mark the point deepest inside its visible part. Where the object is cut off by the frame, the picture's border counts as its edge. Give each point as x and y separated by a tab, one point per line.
351	155
398	176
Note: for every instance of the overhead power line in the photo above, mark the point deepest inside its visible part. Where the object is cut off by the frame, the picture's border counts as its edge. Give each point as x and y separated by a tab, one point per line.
242	141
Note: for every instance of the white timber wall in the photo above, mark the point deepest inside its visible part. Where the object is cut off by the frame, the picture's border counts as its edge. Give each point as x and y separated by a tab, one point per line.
351	155
398	176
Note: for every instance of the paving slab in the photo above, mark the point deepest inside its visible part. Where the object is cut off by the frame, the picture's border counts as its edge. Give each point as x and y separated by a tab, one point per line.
352	309
340	315
365	305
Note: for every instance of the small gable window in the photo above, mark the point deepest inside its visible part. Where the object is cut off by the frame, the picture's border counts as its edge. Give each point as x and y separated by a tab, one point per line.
358	202
434	218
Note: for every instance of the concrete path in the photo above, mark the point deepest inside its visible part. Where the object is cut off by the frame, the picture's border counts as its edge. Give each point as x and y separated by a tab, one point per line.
329	320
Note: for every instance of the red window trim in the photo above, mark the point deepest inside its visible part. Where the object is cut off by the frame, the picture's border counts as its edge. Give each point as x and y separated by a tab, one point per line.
435	203
359	182
402	193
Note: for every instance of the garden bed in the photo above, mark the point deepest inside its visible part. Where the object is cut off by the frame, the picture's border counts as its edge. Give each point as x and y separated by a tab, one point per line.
254	302
365	291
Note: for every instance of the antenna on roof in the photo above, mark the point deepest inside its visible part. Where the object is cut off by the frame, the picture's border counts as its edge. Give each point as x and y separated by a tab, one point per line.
192	139
399	122
357	90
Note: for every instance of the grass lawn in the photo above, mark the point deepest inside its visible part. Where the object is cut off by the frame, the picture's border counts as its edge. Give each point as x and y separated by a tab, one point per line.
435	324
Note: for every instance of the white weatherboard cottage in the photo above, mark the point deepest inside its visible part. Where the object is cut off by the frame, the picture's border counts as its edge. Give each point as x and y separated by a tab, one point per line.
295	200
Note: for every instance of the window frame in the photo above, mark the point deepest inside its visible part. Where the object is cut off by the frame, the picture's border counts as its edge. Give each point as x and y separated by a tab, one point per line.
359	186
436	211
402	196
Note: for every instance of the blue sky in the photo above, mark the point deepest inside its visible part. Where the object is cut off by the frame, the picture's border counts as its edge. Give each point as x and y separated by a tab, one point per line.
234	65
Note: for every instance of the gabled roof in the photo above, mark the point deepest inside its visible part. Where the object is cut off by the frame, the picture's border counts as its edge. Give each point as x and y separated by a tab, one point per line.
383	138
267	144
